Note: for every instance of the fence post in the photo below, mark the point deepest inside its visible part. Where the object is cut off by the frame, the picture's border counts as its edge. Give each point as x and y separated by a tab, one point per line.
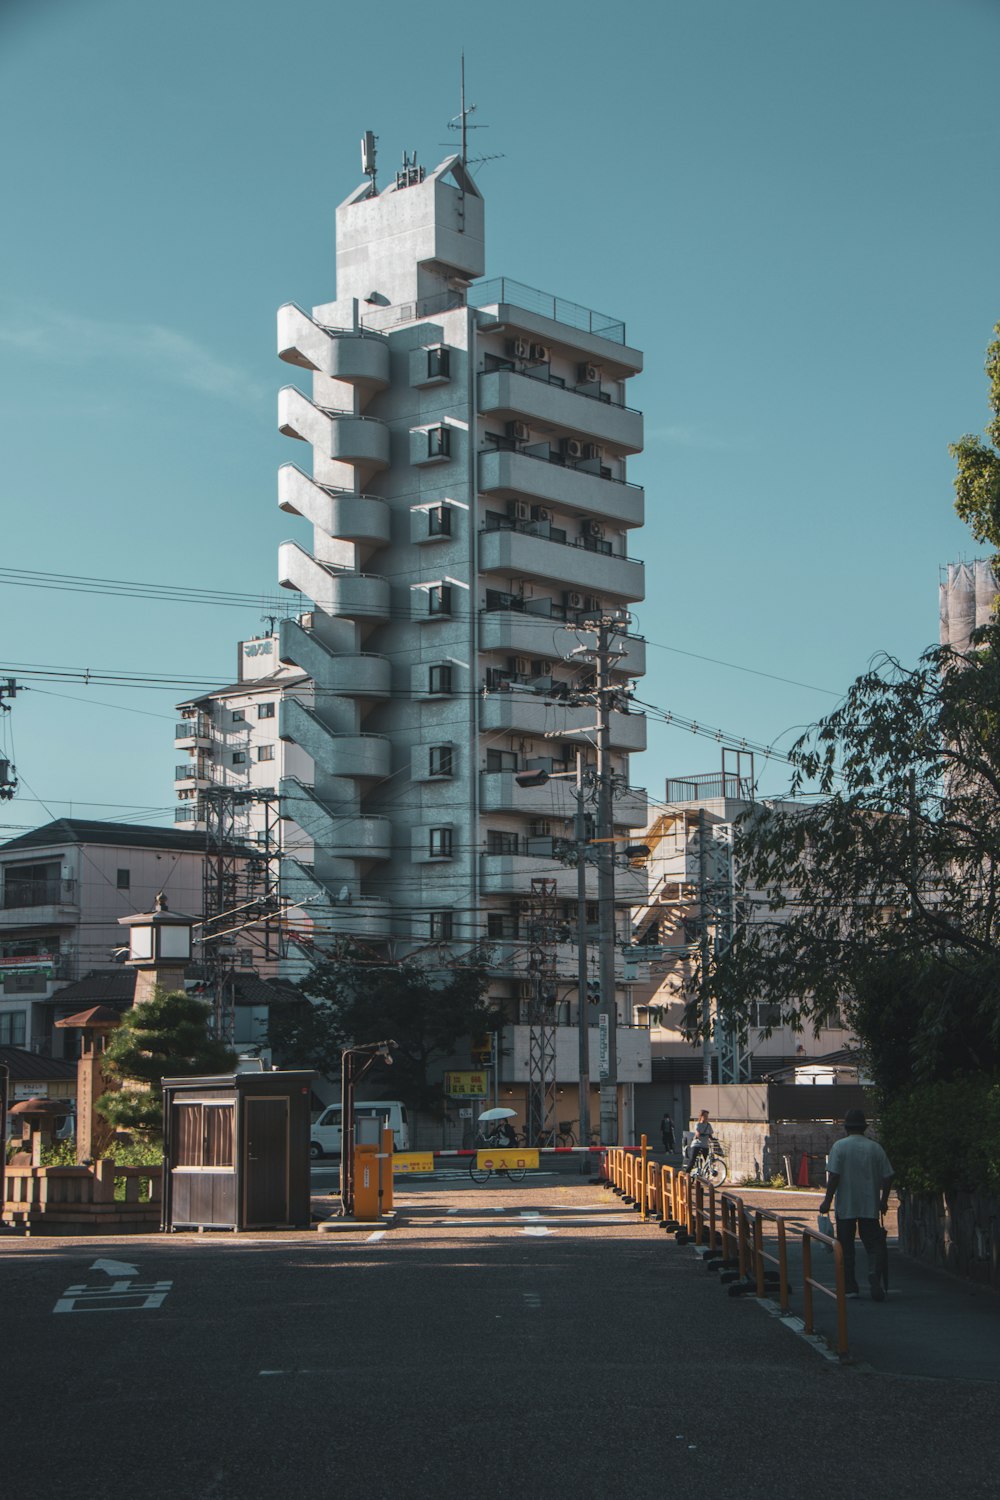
643	1198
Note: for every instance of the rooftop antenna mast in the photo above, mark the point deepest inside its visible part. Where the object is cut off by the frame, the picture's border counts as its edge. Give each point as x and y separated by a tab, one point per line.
368	143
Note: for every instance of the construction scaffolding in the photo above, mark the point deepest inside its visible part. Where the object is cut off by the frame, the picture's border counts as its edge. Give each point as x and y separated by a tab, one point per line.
240	893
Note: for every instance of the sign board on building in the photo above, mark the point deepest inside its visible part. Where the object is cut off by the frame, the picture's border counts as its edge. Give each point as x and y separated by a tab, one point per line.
603	1047
466	1085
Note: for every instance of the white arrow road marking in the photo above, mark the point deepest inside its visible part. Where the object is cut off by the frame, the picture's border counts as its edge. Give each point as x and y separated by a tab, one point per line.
115	1267
376	1236
536	1229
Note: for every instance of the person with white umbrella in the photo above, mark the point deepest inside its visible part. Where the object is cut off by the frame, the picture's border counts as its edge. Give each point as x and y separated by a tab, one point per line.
501	1133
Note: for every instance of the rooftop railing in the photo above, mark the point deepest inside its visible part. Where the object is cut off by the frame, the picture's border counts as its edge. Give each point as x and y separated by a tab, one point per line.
503	289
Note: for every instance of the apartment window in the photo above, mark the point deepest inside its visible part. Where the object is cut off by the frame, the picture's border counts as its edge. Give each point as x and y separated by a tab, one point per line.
239	717
439	520
439	678
442	760
123	879
500	842
239	758
440	843
767	1015
501	760
439	599
439	363
12	1031
265	752
442	925
499	926
439	442
265	710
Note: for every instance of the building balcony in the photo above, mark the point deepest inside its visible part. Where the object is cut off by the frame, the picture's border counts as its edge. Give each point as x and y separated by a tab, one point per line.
524	634
342	514
511	475
191	814
555	799
358	356
363	916
520	554
352	596
549	408
340	436
506	303
191	776
529	714
193	734
632	1047
36	903
512	874
353	674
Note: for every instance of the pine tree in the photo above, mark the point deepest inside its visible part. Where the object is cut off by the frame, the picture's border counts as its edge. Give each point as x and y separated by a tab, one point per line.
165	1037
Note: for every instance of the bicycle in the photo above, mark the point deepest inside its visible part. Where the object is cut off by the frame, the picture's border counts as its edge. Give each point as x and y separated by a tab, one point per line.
710	1166
481	1174
565	1136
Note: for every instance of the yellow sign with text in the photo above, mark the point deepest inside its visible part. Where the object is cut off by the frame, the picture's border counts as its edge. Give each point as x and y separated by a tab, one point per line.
467	1085
413	1161
513	1156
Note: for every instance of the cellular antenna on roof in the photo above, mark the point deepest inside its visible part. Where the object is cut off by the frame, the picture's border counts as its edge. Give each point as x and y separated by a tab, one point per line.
368	141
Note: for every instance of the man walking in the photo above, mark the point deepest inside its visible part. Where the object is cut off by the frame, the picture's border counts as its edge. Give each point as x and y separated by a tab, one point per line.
859	1175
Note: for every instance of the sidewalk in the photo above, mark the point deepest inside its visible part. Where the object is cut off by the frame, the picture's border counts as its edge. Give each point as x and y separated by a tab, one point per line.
932	1324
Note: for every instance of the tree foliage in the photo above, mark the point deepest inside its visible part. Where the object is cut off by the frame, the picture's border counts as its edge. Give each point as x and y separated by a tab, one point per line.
165	1037
977	482
355	998
882	898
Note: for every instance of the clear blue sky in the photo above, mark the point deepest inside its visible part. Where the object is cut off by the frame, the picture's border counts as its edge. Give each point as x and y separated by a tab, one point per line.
792	204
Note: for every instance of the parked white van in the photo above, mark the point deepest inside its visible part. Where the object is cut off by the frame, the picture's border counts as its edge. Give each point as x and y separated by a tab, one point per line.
324	1139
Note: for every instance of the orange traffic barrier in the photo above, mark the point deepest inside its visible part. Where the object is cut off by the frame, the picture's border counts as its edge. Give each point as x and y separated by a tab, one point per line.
762	1257
810	1285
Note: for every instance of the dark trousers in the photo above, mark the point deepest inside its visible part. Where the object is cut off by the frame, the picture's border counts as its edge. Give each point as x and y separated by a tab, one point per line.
871	1237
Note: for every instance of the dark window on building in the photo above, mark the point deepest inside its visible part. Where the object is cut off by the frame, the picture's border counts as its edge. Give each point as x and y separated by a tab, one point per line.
439	599
239	759
123	879
501	760
442	925
265	752
439	363
239	717
499	926
12	1032
265	710
766	1014
32	885
439	442
439	520
440	843
442	760
439	678
499	841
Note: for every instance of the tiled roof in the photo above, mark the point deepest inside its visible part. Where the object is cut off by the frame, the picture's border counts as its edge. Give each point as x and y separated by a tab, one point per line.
32	1065
93	831
99	987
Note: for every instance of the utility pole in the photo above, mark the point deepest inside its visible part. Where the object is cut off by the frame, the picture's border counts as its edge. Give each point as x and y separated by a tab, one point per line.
705	948
8	773
606	896
583	1030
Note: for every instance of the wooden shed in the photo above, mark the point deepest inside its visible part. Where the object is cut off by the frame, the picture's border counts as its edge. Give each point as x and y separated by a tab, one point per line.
236	1151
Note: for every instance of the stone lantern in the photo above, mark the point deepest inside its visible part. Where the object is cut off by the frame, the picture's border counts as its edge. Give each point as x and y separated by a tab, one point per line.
159	949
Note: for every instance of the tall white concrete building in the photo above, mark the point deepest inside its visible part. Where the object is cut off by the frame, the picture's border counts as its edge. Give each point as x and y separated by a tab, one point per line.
465	493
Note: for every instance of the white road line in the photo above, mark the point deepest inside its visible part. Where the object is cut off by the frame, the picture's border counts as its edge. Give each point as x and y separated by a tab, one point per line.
536	1229
379	1233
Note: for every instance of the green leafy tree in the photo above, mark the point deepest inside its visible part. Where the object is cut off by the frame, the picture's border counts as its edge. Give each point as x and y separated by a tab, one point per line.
165	1037
977	483
355	998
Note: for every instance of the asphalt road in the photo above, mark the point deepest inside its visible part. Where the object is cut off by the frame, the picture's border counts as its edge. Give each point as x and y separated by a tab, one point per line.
502	1340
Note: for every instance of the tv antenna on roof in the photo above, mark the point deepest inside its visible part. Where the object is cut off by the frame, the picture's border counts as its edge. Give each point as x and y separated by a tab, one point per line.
461	122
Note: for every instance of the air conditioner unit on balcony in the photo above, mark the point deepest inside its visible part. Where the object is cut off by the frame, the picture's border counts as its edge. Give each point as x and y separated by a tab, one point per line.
593	451
593	528
588	374
541	667
519	510
572	599
540	513
520	348
525	989
519	431
541	352
572	448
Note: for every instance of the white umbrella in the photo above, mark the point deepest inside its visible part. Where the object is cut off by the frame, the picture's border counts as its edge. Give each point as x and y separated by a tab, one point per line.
498	1114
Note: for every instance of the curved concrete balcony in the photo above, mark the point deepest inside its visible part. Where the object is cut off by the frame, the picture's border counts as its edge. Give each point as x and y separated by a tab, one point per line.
550	408
519	554
335	435
359	838
352	596
528	635
340	513
355	355
515	476
352	674
525	713
357	756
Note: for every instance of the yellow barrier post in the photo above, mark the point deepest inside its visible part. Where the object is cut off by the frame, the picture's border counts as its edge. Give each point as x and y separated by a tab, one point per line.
809	1285
642	1178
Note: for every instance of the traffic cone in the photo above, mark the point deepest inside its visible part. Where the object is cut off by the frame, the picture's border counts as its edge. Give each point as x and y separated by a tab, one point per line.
803	1178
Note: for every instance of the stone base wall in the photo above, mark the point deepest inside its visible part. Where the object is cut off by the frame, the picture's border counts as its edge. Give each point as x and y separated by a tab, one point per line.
759	1151
957	1231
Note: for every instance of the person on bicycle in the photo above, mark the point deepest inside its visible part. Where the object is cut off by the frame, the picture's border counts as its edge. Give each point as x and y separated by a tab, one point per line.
703	1133
504	1134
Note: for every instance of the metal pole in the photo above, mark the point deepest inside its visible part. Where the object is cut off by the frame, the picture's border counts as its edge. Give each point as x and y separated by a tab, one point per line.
583	1030
606	898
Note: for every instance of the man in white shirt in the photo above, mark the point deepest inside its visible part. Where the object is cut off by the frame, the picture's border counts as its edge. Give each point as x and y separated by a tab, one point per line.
859	1175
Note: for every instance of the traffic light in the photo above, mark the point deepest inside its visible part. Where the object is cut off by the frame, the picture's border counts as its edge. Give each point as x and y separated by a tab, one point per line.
593	992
